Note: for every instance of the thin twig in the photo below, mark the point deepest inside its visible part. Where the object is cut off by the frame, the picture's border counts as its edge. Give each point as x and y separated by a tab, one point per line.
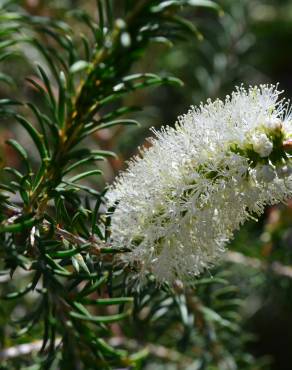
276	267
158	351
23	349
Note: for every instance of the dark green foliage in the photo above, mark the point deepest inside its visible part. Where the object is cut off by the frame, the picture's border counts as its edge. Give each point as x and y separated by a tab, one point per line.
53	239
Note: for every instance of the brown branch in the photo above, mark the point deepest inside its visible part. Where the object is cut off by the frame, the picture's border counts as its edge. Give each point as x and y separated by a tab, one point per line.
155	350
275	267
159	351
23	349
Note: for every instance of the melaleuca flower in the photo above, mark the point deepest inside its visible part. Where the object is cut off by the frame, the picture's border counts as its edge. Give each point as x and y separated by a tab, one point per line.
180	201
262	145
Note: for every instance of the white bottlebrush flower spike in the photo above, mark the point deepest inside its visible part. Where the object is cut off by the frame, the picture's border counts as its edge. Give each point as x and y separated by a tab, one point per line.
180	201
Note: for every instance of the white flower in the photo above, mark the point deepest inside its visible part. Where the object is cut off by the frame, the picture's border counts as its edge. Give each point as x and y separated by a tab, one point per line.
181	200
273	123
262	145
265	173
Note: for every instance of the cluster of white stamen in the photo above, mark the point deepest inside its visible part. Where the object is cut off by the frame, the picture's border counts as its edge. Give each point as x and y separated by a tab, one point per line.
262	145
181	200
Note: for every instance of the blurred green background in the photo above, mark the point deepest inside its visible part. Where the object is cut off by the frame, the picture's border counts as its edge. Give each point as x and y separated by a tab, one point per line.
250	43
